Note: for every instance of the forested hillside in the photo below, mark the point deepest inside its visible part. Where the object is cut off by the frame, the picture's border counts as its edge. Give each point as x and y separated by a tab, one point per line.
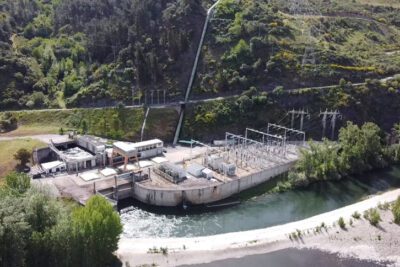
77	53
299	44
81	52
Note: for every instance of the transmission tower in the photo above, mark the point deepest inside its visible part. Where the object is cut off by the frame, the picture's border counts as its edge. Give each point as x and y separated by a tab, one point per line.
300	113
334	116
301	9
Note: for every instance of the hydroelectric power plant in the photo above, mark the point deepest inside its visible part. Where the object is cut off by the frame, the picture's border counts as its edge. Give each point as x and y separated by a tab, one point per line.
142	171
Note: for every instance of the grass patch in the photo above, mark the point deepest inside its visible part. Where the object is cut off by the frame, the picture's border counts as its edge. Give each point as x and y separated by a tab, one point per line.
112	123
390	3
356	215
9	148
161	123
341	223
161	250
33	129
373	216
396	211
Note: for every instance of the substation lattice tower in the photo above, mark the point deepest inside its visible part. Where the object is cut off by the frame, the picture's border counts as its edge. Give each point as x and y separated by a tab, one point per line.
299	113
259	149
248	152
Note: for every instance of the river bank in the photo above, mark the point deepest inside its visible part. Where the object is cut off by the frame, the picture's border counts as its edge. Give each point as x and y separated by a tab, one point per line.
292	258
360	240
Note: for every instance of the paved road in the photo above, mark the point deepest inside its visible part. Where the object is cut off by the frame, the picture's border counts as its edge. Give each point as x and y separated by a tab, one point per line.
45	138
199	101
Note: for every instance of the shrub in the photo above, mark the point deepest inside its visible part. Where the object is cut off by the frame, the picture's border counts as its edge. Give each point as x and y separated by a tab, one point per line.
299	234
341	223
356	215
373	216
23	156
384	206
396	211
18	182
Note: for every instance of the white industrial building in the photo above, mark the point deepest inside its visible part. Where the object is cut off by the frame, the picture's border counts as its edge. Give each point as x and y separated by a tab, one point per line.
85	153
136	151
53	167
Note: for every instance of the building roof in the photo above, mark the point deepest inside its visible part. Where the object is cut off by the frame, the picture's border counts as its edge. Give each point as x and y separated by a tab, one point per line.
124	146
108	172
77	154
89	176
148	143
52	165
207	171
145	164
97	141
130	147
158	160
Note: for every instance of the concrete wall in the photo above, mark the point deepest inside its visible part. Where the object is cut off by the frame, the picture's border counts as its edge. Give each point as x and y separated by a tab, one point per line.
151	153
43	155
164	197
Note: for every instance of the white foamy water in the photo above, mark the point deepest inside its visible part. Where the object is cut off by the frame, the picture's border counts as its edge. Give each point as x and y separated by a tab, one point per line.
138	223
141	224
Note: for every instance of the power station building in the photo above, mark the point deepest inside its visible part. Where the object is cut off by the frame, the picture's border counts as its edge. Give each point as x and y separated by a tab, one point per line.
87	152
136	151
84	153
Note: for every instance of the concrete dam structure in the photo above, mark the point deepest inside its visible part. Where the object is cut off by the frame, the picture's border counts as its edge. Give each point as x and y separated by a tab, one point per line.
219	173
205	195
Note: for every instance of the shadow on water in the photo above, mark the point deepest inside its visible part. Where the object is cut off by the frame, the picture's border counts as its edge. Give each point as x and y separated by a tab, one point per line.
292	258
257	208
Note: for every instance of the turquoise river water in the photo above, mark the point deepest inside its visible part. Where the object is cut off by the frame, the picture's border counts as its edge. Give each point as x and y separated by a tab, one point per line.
257	209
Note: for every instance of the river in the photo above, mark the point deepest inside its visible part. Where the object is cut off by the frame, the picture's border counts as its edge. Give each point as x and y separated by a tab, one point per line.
292	258
257	209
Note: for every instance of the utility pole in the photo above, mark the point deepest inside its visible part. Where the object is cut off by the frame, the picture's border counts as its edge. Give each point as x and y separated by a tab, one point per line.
300	113
334	115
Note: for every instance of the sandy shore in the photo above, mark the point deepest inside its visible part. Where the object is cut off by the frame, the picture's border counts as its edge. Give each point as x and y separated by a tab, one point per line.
360	240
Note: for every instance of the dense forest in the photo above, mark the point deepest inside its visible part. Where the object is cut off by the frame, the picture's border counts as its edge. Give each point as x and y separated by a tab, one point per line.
76	53
81	52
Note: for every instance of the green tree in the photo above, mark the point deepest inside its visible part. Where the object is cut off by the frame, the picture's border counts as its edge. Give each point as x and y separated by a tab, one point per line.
14	232
361	148
23	155
396	131
18	182
96	228
240	53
